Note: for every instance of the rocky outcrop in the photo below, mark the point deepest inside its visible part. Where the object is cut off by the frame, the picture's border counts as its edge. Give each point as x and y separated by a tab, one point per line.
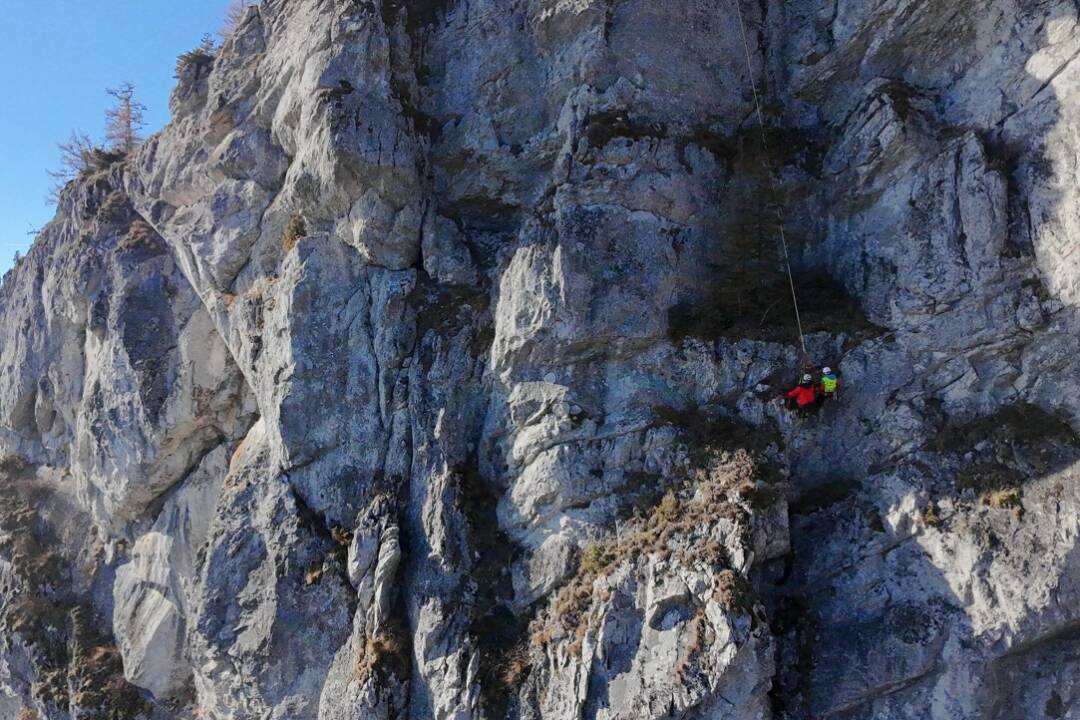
121	407
424	366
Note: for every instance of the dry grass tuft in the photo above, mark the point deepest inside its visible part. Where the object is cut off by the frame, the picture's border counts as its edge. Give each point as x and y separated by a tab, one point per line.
313	575
516	668
295	229
701	635
1007	499
932	516
140	236
341	536
385	652
97	673
593	560
734	592
682	519
668	509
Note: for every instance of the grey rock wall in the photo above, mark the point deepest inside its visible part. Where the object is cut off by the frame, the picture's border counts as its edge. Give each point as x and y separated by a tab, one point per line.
424	366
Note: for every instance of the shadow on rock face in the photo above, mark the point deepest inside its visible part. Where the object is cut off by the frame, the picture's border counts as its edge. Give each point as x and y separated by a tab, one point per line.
763	310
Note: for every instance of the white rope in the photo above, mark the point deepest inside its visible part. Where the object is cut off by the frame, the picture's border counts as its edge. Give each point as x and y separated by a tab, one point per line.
764	162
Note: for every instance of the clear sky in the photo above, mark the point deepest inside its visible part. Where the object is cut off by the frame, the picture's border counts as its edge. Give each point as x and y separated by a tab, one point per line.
56	60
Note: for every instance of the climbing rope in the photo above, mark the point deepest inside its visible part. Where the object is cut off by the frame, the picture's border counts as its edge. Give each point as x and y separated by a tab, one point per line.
768	170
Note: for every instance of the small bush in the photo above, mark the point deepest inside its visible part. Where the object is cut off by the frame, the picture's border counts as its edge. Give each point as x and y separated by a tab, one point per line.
342	539
235	15
987	477
193	59
592	559
115	208
295	229
199	59
668	509
13	466
100	159
341	536
705	435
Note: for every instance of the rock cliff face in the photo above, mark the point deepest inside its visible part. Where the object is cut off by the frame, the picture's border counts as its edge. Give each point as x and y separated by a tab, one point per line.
424	367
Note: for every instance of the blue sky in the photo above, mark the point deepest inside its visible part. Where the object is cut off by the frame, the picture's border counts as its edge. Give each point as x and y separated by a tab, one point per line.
56	60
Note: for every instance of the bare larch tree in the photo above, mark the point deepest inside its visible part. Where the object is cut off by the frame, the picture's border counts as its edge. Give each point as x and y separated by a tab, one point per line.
124	121
234	14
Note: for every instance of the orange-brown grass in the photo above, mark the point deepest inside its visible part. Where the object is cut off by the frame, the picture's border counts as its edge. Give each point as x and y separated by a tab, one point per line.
294	230
676	528
385	653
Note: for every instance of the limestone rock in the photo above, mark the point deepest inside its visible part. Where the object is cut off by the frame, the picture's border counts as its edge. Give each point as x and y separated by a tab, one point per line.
426	365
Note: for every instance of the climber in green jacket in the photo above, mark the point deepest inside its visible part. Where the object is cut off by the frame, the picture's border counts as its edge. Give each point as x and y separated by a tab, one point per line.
829	384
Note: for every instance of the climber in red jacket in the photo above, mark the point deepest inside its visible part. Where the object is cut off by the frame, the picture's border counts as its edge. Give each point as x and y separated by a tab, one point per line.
804	396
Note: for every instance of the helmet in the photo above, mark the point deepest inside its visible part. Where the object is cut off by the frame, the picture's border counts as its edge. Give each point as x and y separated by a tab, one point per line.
827	370
807	378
